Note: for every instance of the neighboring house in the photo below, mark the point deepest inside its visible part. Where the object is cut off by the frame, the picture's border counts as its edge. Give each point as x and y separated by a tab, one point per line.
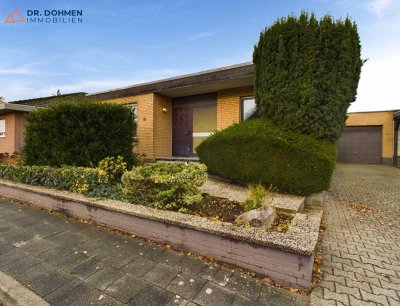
13	119
174	115
12	124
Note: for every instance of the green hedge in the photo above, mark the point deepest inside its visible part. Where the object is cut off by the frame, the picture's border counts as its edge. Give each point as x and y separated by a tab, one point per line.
257	151
78	133
75	179
170	186
306	73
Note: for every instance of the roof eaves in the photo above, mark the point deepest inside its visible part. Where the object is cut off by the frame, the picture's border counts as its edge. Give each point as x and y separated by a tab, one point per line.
16	107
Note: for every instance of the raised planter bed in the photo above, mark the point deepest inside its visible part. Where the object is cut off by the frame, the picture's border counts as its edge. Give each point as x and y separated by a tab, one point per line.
285	257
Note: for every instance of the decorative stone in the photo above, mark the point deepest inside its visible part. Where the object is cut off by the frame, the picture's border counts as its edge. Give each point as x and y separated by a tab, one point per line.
316	200
261	217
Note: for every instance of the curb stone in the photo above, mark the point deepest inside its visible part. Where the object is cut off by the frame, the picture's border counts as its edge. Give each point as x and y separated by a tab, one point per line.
14	293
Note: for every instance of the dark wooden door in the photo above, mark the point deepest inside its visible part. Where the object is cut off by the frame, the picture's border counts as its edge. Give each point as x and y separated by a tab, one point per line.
360	144
182	131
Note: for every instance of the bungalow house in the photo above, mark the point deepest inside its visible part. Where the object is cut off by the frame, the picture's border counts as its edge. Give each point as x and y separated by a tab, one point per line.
174	115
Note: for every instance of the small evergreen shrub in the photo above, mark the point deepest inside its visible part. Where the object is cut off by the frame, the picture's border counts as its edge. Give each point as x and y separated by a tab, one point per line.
306	73
113	166
74	179
256	195
78	133
169	186
259	152
112	191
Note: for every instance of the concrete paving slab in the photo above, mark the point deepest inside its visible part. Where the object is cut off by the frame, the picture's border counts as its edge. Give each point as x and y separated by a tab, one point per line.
56	267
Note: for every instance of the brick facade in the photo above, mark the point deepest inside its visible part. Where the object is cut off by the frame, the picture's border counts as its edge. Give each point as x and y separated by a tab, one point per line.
385	119
228	105
7	144
14	139
162	110
20	122
154	126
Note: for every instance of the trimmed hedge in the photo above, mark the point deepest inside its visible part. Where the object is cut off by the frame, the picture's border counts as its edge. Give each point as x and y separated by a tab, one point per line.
78	133
75	179
306	73
257	151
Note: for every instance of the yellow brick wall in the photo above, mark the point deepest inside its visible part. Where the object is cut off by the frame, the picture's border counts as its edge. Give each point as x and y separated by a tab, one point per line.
228	105
162	126
376	118
145	127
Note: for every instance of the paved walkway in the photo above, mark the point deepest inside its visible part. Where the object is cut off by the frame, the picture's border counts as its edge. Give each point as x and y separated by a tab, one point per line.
361	249
71	263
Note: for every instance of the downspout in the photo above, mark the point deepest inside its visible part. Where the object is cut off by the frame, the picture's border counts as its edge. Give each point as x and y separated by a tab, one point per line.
396	141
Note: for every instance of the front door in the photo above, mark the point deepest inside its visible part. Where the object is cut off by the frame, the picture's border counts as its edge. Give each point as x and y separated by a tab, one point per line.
182	140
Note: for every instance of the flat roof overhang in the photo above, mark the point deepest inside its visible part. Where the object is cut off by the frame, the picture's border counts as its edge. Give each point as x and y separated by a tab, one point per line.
213	80
12	108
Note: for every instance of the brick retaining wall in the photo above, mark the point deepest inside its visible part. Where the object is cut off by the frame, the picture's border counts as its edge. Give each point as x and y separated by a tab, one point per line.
284	267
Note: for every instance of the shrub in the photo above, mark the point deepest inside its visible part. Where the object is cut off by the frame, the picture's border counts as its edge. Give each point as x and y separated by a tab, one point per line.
12	159
256	151
170	186
256	195
113	166
109	191
306	73
75	179
78	133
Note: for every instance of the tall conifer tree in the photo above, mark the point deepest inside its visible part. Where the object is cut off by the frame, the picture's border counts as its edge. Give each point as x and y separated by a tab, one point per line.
307	73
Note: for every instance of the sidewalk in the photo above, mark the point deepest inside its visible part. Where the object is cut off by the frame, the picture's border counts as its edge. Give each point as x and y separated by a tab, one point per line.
70	263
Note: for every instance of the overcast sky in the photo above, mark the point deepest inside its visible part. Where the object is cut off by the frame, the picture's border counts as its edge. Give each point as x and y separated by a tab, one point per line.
121	43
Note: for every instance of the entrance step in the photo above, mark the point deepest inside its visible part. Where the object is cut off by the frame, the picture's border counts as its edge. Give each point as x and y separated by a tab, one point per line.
181	159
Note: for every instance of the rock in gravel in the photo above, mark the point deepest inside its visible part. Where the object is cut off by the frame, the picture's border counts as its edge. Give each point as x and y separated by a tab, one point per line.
261	217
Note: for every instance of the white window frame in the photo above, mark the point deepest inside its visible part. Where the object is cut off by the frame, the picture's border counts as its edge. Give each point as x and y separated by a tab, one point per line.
133	106
242	100
2	128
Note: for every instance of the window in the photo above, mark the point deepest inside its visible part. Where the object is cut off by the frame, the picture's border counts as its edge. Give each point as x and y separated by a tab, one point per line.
248	108
204	123
3	128
133	108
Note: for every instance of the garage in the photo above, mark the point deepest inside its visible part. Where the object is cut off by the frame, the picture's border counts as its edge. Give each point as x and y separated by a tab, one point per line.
360	144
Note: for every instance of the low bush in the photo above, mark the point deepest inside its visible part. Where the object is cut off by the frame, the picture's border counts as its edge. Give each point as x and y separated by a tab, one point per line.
113	166
256	195
6	158
112	191
256	151
170	186
75	179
